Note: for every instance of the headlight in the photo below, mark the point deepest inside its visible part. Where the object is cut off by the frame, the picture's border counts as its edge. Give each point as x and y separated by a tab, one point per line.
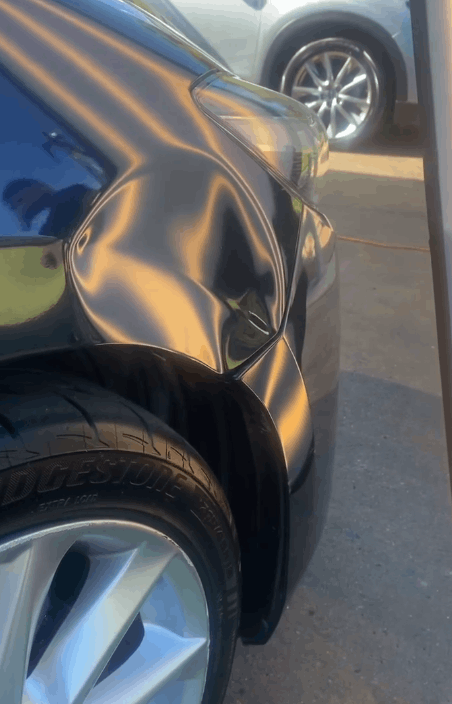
277	129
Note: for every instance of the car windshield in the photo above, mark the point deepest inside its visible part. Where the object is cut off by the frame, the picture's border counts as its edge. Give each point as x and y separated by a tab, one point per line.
165	12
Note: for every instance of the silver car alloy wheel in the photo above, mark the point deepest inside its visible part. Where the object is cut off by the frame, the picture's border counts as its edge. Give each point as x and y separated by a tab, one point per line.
341	86
100	612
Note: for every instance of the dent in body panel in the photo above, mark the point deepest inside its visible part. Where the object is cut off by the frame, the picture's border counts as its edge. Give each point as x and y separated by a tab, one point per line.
183	248
197	278
176	238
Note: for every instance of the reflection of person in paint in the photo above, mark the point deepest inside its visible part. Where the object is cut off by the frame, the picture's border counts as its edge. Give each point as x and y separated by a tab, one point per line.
28	198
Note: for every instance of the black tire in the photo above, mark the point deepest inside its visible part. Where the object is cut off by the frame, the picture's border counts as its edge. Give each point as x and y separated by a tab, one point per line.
70	450
380	101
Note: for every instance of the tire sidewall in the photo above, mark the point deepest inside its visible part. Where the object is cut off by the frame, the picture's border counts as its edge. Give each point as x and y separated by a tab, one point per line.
127	486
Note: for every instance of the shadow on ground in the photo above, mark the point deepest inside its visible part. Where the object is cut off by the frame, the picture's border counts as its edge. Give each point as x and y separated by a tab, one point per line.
371	621
401	139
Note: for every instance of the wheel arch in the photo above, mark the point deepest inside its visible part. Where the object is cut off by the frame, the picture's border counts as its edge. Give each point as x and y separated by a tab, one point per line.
344	24
251	469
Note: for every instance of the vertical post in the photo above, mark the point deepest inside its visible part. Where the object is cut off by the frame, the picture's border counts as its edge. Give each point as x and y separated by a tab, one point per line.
432	35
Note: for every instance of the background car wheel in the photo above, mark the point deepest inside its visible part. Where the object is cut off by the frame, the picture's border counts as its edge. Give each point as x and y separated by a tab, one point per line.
119	565
340	81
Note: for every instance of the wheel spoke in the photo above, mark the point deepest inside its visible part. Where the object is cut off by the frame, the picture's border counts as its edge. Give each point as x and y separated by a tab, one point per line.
159	660
350	117
315	105
301	91
116	588
362	102
25	577
323	107
343	71
310	68
331	130
360	78
327	65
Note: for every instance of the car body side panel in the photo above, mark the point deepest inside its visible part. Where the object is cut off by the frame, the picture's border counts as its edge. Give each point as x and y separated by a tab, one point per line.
167	12
232	27
297	382
313	335
182	243
277	381
224	25
56	178
388	14
312	329
404	39
213	245
382	21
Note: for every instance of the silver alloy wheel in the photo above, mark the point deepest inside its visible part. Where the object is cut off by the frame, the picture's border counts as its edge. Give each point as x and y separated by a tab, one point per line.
340	87
100	612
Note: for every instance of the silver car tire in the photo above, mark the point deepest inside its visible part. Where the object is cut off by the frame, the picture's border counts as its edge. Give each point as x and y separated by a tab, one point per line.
341	82
119	560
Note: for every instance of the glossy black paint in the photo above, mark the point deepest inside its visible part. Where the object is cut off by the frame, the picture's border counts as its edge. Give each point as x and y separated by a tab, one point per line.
142	247
56	177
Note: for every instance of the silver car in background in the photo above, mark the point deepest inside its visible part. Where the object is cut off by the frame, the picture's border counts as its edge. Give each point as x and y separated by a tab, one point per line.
349	60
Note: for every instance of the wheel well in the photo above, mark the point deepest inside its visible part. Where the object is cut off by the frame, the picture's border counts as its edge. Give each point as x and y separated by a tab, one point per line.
379	43
231	430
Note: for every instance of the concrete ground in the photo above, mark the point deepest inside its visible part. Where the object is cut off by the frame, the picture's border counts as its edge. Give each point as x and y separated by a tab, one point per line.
371	623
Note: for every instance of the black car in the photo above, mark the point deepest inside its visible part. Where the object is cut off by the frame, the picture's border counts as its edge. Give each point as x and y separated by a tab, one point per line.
168	357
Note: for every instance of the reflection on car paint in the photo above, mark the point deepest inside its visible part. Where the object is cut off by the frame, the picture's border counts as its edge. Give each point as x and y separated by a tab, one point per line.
276	380
214	245
175	240
55	178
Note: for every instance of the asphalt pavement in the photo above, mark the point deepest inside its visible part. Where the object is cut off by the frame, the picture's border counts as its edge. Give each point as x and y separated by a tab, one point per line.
371	622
